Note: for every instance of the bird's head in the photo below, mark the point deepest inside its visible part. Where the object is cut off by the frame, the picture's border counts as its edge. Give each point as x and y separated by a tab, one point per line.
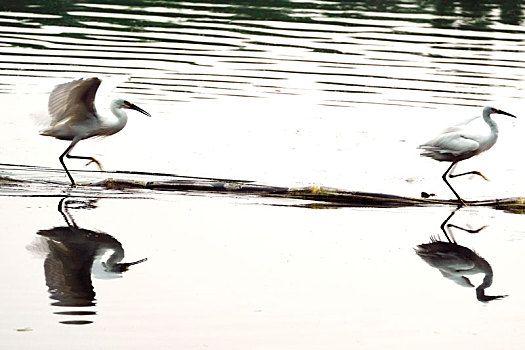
491	110
128	105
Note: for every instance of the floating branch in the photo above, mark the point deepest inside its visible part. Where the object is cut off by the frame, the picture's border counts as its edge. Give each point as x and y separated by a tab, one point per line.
330	197
19	179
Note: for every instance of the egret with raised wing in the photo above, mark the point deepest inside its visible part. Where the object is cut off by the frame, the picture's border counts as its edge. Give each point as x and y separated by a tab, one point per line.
457	143
74	117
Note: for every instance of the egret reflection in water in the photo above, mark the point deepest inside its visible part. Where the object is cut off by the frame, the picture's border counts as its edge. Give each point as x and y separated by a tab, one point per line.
455	262
71	254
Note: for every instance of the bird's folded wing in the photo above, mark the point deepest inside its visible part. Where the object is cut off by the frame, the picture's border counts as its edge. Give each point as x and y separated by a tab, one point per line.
459	279
452	143
460	127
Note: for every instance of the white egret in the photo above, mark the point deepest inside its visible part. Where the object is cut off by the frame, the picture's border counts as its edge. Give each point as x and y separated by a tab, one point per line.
74	117
457	143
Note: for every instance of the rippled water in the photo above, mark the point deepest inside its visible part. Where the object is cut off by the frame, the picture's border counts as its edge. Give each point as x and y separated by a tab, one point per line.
341	53
329	93
238	83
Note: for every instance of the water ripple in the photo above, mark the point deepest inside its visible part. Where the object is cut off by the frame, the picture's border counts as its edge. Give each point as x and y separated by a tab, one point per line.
345	53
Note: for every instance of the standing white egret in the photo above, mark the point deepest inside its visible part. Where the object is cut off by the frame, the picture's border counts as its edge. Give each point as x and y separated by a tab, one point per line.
457	143
74	117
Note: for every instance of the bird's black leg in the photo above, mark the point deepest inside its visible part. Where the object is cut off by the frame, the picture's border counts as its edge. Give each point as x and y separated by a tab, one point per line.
444	226
469	172
466	229
61	158
448	184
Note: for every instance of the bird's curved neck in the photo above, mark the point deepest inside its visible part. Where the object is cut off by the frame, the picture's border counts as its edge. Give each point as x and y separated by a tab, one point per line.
480	290
487	281
490	140
115	126
116	256
492	124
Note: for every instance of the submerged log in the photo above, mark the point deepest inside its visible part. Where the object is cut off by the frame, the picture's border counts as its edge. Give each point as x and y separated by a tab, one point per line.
195	185
18	179
323	197
381	200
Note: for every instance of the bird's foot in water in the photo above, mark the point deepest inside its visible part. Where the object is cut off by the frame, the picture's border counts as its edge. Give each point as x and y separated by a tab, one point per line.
76	184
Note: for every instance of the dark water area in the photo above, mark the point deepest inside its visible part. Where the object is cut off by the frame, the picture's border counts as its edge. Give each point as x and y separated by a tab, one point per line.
348	53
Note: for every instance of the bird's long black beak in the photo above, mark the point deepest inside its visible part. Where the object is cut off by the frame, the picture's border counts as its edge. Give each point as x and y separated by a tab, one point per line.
499	111
137	108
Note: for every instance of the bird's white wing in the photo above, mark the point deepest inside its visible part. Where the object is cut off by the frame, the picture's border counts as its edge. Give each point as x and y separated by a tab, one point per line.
453	261
459	279
106	91
451	143
74	99
460	126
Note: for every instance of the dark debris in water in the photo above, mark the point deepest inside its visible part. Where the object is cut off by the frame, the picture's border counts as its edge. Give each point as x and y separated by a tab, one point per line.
25	178
195	185
322	197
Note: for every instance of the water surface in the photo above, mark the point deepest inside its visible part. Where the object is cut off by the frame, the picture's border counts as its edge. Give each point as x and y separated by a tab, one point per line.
287	93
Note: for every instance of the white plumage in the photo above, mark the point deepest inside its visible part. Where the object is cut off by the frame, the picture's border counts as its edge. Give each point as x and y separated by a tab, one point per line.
73	116
457	143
